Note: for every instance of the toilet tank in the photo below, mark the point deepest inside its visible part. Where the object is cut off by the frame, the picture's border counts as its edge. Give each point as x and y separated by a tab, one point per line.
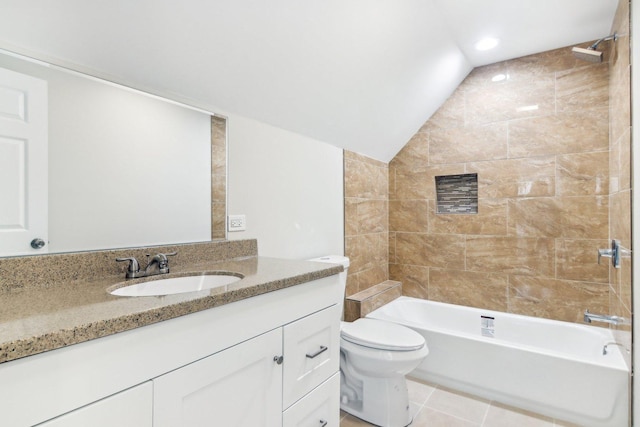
344	261
336	259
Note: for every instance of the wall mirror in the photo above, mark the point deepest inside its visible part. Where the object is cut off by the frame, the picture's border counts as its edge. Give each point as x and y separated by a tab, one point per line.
123	169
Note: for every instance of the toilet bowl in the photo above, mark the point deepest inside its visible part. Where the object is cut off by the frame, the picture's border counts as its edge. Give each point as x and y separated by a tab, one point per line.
375	356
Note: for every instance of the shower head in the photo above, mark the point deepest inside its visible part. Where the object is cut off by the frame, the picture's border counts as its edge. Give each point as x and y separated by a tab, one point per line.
591	54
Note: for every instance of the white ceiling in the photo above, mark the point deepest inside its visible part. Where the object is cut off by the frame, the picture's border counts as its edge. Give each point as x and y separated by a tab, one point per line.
358	74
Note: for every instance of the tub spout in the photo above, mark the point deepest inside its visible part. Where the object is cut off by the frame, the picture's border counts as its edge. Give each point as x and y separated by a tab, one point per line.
604	349
614	320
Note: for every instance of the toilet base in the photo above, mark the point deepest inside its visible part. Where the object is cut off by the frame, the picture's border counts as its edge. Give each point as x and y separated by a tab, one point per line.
381	401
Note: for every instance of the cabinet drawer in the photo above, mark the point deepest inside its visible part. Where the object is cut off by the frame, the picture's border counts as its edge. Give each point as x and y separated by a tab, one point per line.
311	353
319	408
129	408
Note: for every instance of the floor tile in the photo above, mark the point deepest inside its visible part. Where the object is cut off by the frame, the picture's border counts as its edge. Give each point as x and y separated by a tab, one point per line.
432	418
351	421
419	391
505	416
459	405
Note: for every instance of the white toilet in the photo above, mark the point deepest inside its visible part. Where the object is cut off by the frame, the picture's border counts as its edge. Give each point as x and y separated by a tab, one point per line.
375	356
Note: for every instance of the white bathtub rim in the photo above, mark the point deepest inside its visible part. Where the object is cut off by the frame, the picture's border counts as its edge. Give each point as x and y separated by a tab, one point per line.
616	361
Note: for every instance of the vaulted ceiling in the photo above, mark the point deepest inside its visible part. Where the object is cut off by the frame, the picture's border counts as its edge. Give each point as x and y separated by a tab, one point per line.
362	75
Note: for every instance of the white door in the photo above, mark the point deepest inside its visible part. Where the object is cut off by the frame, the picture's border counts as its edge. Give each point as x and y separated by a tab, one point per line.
23	164
238	387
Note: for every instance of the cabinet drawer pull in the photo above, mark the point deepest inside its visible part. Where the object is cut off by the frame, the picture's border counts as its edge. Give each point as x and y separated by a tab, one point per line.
323	423
322	350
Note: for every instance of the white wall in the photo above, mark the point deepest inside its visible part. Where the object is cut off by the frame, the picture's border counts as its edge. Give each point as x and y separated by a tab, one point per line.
289	186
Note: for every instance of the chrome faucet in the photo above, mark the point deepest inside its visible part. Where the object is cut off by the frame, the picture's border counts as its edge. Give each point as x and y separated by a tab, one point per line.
614	320
159	264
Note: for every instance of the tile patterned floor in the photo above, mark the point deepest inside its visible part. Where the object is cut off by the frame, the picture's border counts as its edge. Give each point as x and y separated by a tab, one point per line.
434	406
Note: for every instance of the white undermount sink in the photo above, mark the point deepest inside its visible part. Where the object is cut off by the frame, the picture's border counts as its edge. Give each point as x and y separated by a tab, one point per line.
176	285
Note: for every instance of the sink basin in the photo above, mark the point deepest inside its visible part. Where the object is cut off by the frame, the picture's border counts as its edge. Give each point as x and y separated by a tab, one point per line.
176	285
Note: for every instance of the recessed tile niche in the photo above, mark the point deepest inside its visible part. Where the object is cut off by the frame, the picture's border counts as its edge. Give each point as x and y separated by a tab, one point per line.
457	194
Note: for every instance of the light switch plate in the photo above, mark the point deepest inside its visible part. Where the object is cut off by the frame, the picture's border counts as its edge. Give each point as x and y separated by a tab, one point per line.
237	223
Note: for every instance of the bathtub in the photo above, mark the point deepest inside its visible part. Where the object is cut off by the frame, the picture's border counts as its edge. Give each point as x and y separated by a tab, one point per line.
550	367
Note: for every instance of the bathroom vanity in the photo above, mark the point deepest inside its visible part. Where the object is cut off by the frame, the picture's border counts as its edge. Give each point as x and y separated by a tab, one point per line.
262	352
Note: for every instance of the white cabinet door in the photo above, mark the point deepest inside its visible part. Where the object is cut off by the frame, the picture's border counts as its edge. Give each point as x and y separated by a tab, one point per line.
23	163
312	353
129	408
320	408
238	387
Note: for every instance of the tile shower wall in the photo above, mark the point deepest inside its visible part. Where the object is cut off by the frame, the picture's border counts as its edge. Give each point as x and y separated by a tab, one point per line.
536	131
620	166
218	177
366	224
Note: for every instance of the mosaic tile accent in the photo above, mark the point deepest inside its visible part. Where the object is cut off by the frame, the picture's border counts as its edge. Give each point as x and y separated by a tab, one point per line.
457	194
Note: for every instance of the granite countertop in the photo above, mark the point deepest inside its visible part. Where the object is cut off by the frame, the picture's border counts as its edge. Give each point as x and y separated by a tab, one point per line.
42	318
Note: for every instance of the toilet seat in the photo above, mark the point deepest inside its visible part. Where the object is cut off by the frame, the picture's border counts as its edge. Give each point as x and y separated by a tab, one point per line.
381	335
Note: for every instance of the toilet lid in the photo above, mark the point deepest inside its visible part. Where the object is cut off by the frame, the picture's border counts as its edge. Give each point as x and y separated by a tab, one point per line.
381	335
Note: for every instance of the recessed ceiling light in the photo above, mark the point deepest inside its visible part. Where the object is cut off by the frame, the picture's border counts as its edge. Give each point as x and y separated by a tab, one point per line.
498	78
486	43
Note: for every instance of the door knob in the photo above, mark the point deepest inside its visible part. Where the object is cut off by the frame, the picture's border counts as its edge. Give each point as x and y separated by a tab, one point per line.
37	243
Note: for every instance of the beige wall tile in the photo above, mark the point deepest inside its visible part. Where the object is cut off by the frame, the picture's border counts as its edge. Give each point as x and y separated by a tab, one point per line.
551	195
366	220
620	103
515	178
373	216
219	188
450	115
531	67
431	250
568	217
353	250
581	88
411	184
624	176
567	132
392	183
392	248
351	310
578	260
364	180
372	276
621	217
414	279
491	219
583	174
414	184
409	216
414	155
350	155
379	300
484	76
350	216
510	100
515	255
472	289
457	145
556	299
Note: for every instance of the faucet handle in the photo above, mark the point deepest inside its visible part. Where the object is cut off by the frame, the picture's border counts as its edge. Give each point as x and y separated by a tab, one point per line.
134	267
